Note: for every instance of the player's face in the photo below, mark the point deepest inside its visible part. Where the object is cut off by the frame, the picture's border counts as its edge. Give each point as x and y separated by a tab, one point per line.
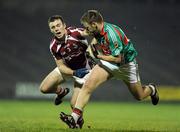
91	28
58	28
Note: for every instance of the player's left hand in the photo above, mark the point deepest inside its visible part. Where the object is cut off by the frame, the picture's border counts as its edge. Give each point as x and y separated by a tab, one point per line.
80	72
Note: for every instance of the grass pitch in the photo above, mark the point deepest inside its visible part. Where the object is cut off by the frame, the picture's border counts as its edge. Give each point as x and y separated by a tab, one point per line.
43	116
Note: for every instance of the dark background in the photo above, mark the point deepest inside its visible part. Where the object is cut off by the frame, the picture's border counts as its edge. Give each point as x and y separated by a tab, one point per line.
152	25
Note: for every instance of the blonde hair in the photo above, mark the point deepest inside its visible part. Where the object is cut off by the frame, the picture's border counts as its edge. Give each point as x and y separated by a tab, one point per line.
92	16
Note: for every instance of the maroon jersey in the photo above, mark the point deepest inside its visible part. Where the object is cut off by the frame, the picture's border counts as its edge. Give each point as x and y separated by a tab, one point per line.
72	50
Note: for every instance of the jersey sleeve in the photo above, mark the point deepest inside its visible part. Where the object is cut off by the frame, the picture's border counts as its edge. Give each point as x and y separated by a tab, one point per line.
82	38
116	45
55	56
52	50
76	33
80	30
121	34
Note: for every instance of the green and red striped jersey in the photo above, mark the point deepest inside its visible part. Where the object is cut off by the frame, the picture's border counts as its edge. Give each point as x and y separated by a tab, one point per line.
114	42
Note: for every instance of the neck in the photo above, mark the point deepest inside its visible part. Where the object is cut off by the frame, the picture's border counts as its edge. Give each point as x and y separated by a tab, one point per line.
100	26
65	32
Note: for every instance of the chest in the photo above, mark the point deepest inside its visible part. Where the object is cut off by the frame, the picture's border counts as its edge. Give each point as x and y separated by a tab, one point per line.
70	46
103	45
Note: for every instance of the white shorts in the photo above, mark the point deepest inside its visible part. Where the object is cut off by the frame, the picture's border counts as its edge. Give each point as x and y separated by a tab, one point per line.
127	72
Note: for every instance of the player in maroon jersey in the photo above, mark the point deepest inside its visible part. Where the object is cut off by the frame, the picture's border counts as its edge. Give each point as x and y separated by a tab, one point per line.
68	48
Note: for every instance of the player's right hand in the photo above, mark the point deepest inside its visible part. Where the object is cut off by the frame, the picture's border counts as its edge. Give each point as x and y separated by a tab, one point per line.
94	50
80	72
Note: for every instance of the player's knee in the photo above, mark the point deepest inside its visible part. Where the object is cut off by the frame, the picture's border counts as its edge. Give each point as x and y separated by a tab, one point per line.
138	97
42	89
87	88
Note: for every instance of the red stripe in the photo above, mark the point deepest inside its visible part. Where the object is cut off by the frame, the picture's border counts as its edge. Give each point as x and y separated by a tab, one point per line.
77	111
106	38
125	40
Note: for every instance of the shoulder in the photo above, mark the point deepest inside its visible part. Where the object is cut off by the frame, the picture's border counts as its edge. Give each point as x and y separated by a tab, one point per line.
72	29
53	42
108	27
75	32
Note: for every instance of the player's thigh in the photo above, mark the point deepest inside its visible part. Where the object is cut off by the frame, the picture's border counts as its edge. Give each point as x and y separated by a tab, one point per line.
52	79
97	76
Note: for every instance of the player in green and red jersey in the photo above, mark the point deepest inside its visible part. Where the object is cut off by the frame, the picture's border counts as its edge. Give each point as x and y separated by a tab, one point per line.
117	59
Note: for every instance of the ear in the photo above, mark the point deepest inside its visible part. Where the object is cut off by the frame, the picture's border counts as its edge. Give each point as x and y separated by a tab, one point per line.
94	24
64	25
50	30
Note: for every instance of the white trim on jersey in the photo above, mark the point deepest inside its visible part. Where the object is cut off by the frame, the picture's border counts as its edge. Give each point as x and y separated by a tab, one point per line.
72	38
50	48
51	45
75	30
112	34
84	42
58	47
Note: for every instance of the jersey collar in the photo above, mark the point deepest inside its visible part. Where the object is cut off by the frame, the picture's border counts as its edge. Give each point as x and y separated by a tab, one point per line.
102	30
60	41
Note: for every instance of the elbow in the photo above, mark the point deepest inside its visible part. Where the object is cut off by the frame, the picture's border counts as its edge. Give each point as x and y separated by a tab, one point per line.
118	59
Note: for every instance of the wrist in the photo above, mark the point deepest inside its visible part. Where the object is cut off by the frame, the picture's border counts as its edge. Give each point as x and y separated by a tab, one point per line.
100	57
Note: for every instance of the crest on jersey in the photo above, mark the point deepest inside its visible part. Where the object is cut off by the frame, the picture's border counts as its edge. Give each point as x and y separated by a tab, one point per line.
116	44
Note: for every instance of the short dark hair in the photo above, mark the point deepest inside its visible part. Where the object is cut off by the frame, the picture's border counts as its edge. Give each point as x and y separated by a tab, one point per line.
92	16
55	17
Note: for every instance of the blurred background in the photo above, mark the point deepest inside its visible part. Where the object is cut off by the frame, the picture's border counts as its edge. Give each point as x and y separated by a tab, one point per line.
153	26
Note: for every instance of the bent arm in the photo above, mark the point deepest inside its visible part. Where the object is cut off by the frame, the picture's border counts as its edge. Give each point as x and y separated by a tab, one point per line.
63	68
111	58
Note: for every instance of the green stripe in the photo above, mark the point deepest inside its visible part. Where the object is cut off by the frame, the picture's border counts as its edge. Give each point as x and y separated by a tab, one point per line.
112	34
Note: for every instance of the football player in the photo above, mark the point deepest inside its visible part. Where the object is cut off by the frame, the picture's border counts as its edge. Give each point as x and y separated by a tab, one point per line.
68	47
117	59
